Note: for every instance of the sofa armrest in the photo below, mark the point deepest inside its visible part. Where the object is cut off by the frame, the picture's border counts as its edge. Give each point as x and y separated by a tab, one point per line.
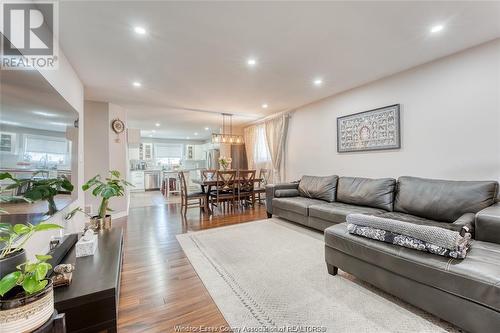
488	224
467	222
271	190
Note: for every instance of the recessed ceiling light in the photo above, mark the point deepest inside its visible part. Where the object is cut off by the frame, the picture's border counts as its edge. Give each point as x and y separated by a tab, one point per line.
188	137
150	135
45	114
207	128
318	82
437	28
157	124
136	84
140	30
251	62
195	133
265	106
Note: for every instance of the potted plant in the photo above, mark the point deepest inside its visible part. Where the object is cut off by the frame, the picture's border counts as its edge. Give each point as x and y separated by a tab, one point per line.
112	186
40	189
225	162
26	296
12	240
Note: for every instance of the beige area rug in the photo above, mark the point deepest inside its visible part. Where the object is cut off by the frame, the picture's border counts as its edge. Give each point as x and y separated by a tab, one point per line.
271	275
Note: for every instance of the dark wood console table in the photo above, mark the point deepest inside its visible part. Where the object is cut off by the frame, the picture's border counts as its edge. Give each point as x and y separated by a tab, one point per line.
90	303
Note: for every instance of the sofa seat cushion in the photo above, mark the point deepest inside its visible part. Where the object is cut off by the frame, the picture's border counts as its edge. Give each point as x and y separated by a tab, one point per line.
297	205
476	278
336	212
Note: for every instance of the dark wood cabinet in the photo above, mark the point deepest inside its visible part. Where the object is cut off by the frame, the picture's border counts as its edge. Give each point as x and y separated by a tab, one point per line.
90	303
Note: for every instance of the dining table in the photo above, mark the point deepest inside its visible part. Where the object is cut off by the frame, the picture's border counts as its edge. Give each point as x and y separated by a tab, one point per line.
207	184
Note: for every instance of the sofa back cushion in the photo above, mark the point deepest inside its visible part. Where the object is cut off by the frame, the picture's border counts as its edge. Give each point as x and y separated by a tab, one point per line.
323	188
376	193
443	200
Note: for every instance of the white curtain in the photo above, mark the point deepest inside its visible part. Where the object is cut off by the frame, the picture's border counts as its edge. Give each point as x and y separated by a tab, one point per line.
258	156
250	137
276	132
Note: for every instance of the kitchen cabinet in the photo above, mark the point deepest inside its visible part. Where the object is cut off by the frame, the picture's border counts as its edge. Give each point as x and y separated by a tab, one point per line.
195	152
190	152
137	179
146	151
7	142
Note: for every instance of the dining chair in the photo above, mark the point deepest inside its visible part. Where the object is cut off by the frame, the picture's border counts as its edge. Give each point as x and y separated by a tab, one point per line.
190	199
208	174
264	175
246	186
225	189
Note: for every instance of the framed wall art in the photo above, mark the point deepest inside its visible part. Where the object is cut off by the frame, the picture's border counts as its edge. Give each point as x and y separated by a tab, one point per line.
377	129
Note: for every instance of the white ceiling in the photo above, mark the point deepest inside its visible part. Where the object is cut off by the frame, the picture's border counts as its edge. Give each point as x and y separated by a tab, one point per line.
194	54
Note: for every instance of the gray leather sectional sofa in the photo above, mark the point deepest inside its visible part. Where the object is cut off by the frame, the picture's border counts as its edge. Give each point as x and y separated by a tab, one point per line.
464	292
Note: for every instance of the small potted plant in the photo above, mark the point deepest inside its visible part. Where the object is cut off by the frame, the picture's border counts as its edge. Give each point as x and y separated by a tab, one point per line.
112	186
40	189
26	296
12	240
225	162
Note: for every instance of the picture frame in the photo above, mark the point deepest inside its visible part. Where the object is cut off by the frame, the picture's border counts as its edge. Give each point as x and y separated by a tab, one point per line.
376	129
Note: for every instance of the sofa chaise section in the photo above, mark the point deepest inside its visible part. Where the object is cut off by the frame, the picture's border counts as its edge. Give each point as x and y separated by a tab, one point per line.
465	292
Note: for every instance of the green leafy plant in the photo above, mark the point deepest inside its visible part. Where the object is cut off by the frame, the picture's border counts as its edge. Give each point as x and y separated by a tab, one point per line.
19	234
112	186
30	276
40	189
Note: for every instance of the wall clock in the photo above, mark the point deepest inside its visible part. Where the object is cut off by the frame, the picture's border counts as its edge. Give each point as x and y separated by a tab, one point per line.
117	126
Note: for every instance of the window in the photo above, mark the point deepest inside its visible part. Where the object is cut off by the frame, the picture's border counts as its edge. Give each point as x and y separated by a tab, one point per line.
45	149
261	151
169	154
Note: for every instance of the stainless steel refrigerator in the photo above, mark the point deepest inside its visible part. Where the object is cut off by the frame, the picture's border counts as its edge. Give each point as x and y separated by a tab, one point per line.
213	159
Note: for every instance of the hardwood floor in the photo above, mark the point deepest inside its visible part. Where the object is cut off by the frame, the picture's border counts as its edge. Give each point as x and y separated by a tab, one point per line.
159	287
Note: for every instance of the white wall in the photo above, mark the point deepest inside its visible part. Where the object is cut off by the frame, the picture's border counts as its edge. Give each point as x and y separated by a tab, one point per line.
450	123
103	151
118	156
96	147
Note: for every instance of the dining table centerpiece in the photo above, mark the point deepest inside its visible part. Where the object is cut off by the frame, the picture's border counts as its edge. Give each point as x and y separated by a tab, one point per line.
225	162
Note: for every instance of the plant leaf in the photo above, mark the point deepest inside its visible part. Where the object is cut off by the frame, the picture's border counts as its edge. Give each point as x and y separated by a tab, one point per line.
21	229
47	226
29	267
115	173
30	284
5	228
9	281
5	175
71	214
43	257
41	270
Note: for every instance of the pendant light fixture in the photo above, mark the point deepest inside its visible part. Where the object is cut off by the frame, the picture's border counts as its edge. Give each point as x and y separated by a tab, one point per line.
226	135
